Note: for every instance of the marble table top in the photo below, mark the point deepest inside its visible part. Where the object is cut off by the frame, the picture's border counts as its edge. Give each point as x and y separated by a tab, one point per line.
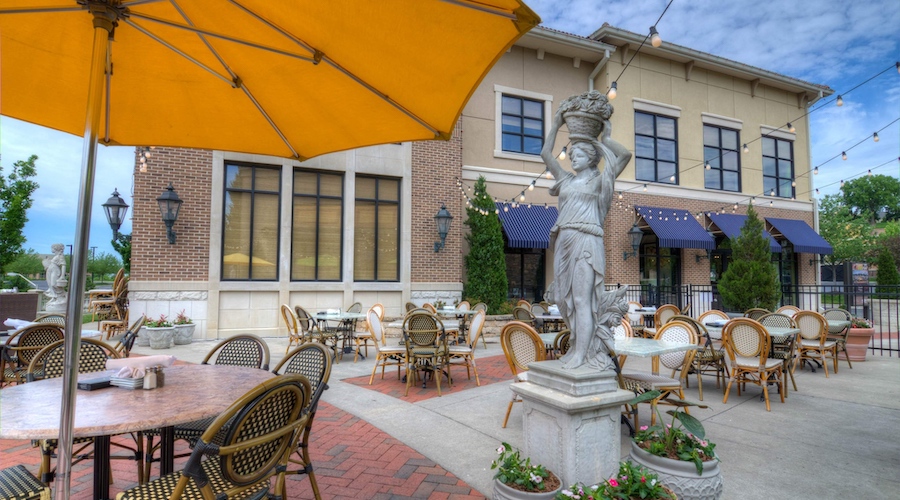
191	392
645	348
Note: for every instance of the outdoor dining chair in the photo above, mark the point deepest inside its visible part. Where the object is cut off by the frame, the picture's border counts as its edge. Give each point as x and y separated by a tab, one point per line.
22	347
710	316
635	318
385	355
755	313
242	449
481	306
521	345
663	314
562	342
290	321
313	361
524	315
839	334
465	354
523	303
747	345
788	310
426	349
362	339
309	331
814	344
708	359
125	342
16	483
787	350
52	318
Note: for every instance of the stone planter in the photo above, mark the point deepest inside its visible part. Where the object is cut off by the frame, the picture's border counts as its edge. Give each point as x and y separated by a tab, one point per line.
504	492
143	339
858	343
681	477
184	334
160	338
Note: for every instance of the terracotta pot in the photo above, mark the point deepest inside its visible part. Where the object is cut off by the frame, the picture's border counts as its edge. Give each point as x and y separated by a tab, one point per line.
681	477
858	343
504	492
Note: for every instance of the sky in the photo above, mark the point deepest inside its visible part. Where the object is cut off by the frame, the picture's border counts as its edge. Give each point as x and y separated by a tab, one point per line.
831	42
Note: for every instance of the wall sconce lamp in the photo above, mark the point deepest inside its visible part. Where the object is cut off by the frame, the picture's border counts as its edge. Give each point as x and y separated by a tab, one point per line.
813	261
708	255
169	206
636	235
115	208
442	220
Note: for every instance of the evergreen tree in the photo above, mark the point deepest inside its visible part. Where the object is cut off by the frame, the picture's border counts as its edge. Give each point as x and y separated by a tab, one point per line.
888	277
486	262
751	279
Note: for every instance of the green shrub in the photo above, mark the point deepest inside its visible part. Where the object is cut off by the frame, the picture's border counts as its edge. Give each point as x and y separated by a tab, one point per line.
485	262
751	279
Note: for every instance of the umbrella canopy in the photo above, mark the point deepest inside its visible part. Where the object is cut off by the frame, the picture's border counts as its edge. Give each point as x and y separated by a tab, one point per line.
294	78
291	79
244	259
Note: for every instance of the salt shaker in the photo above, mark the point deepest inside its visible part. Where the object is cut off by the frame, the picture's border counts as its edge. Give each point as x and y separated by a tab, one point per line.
150	379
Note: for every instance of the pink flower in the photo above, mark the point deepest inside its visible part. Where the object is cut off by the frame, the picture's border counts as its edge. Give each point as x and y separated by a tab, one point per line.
644	427
613	483
703	443
643	479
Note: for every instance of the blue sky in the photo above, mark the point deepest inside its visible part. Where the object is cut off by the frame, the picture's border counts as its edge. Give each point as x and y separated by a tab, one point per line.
830	42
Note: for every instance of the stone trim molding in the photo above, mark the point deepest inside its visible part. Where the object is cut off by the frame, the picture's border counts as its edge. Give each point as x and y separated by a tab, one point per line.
722	121
658	108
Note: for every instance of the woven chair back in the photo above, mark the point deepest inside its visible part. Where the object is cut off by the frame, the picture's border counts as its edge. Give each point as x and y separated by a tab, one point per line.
523	314
421	329
523	303
634	317
521	345
676	331
410	306
812	325
34	338
304	320
53	319
270	416
746	338
664	313
562	342
376	328
379	309
623	330
464	306
756	313
429	307
476	326
832	315
789	310
480	306
313	361
712	315
698	327
686	310
50	362
777	320
356	307
123	347
241	350
537	309
290	320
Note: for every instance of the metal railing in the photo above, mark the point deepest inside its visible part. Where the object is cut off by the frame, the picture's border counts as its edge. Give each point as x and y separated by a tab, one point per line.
879	305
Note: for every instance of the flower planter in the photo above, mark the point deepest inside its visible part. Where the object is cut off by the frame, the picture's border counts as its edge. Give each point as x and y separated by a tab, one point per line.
504	492
161	337
184	334
858	343
143	338
681	476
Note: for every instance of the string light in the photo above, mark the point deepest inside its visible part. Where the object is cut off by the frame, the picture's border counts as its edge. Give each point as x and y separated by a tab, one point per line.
842	182
620	195
875	137
816	171
793	184
549	175
791	128
708	166
840	101
844	155
672	179
655	39
645	188
870	172
613	91
746	149
772	193
562	156
817	191
522	197
531	187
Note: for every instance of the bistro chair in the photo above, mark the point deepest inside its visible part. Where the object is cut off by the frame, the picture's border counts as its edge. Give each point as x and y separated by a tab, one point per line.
686	310
785	350
788	310
463	319
814	343
635	318
838	334
243	448
50	363
755	313
678	362
524	315
385	355
708	359
710	316
313	361
429	307
290	321
523	303
663	314
52	318
747	345
562	342
426	349
379	308
622	331
310	331
16	483
410	306
481	306
362	339
31	339
125	342
521	345
465	354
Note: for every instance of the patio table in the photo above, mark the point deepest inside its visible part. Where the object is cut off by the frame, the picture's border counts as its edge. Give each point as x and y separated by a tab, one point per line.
646	348
191	392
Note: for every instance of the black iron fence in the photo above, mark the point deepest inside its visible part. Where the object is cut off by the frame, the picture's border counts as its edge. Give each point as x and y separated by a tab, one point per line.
881	308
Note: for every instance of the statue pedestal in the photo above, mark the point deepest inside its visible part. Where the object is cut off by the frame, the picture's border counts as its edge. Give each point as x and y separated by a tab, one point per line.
572	421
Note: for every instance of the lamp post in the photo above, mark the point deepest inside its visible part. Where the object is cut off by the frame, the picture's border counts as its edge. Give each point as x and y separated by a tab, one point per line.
169	206
442	219
636	236
115	208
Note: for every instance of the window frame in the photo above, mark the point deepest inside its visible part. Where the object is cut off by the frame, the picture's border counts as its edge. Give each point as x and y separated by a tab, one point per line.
252	191
499	92
398	203
655	137
318	196
721	154
777	158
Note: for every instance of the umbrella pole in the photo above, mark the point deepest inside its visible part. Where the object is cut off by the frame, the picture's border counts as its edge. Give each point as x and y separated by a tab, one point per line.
104	19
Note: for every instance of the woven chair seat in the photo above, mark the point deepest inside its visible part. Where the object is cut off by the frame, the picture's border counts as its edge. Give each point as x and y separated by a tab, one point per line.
815	344
747	362
161	489
648	381
709	355
16	483
458	349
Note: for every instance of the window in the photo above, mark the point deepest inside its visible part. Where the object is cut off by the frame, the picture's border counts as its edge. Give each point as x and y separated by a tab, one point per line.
720	152
522	125
316	239
250	223
655	148
376	250
778	167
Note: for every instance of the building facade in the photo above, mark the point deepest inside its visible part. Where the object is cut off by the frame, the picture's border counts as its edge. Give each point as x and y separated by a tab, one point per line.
256	232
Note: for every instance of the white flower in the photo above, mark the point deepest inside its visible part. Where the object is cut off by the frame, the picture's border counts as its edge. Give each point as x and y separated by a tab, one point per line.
653	482
500	450
536	479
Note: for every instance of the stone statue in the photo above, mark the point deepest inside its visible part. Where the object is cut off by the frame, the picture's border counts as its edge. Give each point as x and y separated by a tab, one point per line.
55	268
577	238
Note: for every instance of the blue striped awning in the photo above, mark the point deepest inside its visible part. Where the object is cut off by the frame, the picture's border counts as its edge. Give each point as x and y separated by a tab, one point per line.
731	225
527	227
676	228
798	232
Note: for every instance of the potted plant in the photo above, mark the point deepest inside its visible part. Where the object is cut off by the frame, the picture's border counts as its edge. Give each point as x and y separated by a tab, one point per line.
858	338
184	329
517	478
678	451
632	482
160	331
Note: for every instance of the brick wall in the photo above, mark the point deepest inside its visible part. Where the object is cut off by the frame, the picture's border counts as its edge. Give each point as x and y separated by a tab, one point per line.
435	167
152	257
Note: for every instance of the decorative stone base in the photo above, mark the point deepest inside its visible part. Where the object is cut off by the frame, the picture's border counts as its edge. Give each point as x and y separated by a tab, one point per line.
572	421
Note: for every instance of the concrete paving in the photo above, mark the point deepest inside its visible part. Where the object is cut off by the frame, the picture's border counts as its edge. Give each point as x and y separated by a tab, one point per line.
837	437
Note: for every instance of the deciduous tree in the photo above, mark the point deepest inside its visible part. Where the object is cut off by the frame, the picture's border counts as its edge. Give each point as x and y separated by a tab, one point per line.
850	237
15	200
866	196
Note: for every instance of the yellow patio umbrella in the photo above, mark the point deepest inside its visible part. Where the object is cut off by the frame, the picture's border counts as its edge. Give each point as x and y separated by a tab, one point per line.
291	78
244	259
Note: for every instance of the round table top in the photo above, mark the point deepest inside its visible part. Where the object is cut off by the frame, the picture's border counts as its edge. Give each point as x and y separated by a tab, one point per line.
191	392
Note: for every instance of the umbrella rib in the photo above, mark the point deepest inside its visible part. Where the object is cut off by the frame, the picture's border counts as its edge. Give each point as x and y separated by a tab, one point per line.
483	8
321	55
39	10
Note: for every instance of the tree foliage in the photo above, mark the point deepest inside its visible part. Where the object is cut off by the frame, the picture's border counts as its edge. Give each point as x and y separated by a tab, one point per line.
28	263
122	244
751	279
888	278
103	265
15	200
486	263
866	196
851	237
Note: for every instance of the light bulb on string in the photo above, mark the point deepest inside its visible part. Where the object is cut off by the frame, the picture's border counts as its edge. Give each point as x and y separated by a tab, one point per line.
898	66
645	187
672	179
522	197
497	211
839	101
793	184
842	182
620	195
655	39
562	156
708	166
771	203
875	137
870	173
772	193
531	187
746	149
790	127
506	208
844	155
817	191
549	175
613	91
816	171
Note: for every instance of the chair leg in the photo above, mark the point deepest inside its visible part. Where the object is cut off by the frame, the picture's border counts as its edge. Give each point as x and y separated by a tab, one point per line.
765	388
700	381
475	369
509	410
824	362
375	368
